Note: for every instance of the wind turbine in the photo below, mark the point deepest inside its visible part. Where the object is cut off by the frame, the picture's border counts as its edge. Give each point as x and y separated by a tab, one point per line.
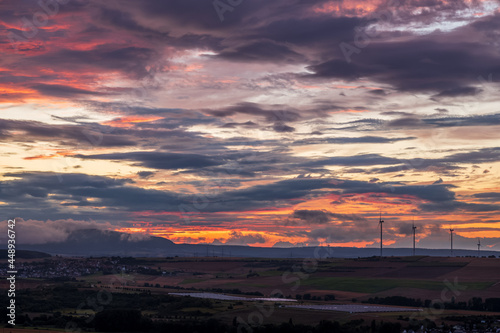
451	239
414	229
380	222
479	247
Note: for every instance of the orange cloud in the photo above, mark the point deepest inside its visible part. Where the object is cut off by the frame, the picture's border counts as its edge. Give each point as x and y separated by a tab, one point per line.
45	157
348	8
130	120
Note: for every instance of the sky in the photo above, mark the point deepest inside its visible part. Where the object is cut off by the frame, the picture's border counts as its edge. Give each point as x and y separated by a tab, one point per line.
250	122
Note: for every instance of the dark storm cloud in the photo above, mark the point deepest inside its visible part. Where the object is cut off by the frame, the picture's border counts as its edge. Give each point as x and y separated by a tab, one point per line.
57	90
336	234
252	17
454	206
434	193
308	217
91	135
476	156
280	32
487	195
237	238
122	20
459	91
312	216
292	21
423	165
420	64
174	118
129	60
282	128
266	32
320	30
192	14
31	182
450	162
145	174
358	160
379	92
282	190
347	140
274	114
302	188
252	163
475	120
261	51
488	25
437	197
171	133
253	109
408	120
47	190
161	160
234	125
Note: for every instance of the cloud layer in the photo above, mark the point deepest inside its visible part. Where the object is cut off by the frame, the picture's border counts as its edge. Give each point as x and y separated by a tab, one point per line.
260	123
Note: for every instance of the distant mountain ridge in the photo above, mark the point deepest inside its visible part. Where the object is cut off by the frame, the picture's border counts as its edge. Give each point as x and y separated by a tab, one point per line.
95	242
24	254
90	242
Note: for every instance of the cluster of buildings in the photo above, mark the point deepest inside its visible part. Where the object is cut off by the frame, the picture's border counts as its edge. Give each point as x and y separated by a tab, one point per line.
58	267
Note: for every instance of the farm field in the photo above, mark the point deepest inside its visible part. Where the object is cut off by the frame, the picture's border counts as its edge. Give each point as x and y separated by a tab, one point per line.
362	290
416	277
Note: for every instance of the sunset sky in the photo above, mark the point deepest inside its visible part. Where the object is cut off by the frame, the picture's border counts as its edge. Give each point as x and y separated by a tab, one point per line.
251	122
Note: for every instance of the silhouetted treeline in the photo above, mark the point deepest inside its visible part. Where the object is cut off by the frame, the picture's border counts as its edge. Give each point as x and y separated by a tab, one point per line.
121	320
397	300
70	297
307	297
125	320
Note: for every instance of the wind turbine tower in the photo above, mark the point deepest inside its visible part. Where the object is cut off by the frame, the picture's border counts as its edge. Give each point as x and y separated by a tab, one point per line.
451	239
380	222
479	247
414	230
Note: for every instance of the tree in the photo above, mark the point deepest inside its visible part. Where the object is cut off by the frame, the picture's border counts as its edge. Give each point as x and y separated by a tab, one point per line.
120	320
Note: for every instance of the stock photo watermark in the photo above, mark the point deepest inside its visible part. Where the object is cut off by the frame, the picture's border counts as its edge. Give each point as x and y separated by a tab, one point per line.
95	303
437	306
30	26
362	36
297	274
222	7
11	279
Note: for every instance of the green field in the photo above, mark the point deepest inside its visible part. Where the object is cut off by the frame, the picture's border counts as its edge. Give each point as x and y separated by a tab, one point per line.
370	285
192	280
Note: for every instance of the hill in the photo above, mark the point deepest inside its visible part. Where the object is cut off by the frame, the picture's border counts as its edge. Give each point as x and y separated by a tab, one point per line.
24	254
